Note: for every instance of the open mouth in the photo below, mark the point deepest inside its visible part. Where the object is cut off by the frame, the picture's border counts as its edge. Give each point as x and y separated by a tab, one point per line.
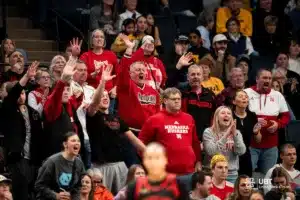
76	148
105	101
141	77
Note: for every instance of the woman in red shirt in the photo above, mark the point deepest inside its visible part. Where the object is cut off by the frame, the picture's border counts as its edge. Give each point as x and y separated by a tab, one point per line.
97	59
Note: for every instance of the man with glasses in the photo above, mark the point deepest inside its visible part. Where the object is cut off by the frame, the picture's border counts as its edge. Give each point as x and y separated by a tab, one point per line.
176	131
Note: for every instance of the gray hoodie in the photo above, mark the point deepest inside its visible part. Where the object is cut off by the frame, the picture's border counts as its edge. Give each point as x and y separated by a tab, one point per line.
231	148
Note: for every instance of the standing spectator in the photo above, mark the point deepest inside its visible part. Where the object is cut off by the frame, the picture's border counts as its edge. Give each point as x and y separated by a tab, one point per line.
196	44
212	83
234	10
238	43
288	155
5	185
223	138
60	111
134	172
59	176
237	82
37	97
221	188
57	65
176	131
197	100
96	60
242	188
104	16
294	53
17	67
153	30
206	22
272	115
7	47
246	122
281	188
22	136
130	12
201	185
132	87
86	190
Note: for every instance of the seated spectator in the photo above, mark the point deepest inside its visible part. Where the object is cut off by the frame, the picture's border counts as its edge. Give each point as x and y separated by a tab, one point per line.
141	28
256	195
87	187
224	138
212	83
131	12
5	185
176	131
100	191
23	136
17	67
154	32
280	186
59	176
206	22
104	16
234	10
37	97
246	122
128	28
134	172
238	44
244	63
236	82
196	45
221	188
288	155
201	186
272	116
294	54
242	188
57	65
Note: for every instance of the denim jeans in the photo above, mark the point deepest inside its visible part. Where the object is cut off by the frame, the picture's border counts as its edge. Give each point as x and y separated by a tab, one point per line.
264	159
87	157
112	105
232	178
186	180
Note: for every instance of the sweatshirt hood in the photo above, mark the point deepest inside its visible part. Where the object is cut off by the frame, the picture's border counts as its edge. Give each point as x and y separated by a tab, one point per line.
259	91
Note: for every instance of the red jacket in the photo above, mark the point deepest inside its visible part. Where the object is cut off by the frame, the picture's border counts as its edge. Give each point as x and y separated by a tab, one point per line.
156	73
91	59
177	133
137	104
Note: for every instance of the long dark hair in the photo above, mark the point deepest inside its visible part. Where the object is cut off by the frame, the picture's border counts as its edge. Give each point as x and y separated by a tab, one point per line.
236	194
66	137
131	172
91	194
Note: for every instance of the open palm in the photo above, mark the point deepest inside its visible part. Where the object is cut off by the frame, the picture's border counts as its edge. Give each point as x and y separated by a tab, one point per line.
106	74
126	40
186	60
75	46
31	72
69	69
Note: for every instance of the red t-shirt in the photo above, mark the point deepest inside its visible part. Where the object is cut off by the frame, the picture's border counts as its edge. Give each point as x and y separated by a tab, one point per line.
222	193
91	60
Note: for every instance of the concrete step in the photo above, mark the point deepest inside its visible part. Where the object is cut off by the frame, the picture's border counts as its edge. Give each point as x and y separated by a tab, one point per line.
18	23
11	11
25	33
42	63
41	55
36	45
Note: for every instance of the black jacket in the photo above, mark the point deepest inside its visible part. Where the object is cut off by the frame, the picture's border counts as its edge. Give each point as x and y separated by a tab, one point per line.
14	129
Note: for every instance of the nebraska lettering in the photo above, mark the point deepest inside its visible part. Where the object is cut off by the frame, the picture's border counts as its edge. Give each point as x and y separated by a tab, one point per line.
176	129
147	99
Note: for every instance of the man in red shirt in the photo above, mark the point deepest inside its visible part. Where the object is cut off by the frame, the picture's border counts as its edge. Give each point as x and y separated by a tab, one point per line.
176	131
219	166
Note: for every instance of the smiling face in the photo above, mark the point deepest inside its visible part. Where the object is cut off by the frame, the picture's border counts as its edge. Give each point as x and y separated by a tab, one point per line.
72	145
9	46
241	99
225	117
86	185
98	39
105	101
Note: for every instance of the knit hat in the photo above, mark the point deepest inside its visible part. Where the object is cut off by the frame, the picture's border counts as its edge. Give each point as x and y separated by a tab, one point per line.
217	158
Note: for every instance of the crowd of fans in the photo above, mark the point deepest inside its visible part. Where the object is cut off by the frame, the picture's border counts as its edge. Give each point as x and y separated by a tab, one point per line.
218	104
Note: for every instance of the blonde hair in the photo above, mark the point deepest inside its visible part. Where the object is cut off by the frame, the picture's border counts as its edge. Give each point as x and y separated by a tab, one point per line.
54	60
217	158
94	172
93	34
216	124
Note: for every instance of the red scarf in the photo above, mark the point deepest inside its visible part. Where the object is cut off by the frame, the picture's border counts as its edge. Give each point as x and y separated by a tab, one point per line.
39	95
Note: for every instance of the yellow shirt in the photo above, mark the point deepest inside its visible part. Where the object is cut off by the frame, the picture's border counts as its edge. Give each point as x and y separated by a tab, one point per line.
214	84
245	18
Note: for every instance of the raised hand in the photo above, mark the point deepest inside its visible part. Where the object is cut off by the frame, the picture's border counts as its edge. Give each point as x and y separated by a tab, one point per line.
75	46
233	128
185	60
106	74
127	41
31	72
69	69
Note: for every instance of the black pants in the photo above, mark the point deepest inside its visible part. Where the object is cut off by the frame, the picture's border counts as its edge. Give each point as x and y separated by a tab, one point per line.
23	175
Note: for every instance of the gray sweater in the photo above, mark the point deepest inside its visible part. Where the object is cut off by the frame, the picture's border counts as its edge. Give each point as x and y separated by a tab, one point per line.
231	148
56	173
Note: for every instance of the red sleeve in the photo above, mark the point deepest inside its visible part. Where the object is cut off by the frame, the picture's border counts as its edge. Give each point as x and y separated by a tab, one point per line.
163	72
196	144
138	55
147	134
123	79
85	57
114	62
284	119
76	102
53	104
158	103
